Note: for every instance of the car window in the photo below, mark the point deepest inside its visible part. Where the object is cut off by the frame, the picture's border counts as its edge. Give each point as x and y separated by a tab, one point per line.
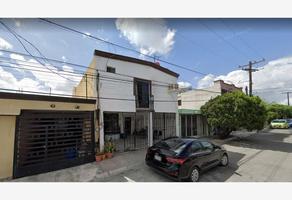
195	147
174	144
207	146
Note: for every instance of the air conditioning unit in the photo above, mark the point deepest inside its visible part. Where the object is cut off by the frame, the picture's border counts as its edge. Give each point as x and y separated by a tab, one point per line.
173	87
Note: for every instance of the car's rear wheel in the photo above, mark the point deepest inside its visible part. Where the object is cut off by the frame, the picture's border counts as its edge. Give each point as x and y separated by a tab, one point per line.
224	160
194	175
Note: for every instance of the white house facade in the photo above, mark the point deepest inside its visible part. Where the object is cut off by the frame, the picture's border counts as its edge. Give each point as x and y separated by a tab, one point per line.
136	100
189	104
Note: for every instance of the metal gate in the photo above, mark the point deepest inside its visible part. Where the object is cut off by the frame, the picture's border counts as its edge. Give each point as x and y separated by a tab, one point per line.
164	126
128	131
51	140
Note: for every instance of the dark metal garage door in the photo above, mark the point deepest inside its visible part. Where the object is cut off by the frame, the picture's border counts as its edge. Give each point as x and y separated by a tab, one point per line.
47	141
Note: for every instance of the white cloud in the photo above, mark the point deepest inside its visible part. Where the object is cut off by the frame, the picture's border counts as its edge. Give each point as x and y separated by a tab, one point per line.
17	23
183	84
64	58
149	36
47	77
276	74
4	44
207	81
17	57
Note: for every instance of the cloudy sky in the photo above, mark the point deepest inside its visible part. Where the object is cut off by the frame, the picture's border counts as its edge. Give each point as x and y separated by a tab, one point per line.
211	46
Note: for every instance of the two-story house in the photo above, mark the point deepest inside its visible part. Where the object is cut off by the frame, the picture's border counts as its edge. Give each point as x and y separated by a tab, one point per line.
136	100
190	102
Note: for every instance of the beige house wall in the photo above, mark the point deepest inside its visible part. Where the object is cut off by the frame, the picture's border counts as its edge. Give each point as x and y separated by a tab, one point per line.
88	82
7	133
10	109
195	99
14	106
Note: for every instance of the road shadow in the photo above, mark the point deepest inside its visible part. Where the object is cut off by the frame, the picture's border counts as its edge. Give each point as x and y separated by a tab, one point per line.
222	174
264	141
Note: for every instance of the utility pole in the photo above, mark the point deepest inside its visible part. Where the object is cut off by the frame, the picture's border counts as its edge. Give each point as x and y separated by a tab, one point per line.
246	90
250	70
288	97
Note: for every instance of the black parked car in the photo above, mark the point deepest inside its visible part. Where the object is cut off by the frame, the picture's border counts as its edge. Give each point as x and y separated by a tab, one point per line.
184	159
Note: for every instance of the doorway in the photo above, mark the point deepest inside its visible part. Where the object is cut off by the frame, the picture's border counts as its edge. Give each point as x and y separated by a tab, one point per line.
127	126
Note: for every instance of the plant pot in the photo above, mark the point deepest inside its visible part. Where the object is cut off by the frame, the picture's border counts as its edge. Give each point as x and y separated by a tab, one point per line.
103	156
98	158
109	155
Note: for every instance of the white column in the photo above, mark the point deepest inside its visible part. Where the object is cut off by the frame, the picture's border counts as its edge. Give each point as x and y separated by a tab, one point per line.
150	129
177	124
101	131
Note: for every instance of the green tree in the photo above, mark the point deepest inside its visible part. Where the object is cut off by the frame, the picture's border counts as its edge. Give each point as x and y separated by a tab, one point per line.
235	110
278	111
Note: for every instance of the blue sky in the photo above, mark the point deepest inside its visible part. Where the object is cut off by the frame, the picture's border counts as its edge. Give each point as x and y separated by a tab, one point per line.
212	46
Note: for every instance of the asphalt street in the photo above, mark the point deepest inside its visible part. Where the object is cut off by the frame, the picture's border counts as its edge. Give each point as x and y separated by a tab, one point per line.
261	157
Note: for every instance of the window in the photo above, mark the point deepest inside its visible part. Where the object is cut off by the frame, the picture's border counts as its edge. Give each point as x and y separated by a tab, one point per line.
111	69
111	123
179	102
195	147
142	92
207	146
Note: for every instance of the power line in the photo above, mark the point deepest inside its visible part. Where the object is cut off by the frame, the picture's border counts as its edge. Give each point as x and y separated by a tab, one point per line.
250	71
120	46
241	39
196	44
105	98
17	37
93	76
74	64
288	97
222	38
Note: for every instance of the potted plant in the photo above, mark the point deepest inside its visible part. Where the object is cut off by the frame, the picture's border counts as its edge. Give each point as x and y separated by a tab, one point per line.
109	148
99	156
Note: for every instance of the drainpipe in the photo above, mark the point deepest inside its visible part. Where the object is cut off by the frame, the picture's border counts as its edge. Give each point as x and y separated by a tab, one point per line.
177	124
150	129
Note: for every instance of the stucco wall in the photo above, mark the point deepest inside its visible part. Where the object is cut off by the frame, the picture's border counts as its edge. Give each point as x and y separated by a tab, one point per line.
110	87
80	89
7	133
194	99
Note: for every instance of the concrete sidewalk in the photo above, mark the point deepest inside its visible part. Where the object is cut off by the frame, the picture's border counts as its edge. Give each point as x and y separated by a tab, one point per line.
91	171
96	171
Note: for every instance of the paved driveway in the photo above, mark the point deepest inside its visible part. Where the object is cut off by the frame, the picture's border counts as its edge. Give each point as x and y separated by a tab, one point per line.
265	156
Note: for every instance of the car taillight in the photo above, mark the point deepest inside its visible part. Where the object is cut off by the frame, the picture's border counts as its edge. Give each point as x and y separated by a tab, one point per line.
175	160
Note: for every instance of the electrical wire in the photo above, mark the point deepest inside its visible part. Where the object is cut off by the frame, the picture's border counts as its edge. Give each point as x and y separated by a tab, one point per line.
120	46
104	98
78	65
223	39
24	47
241	39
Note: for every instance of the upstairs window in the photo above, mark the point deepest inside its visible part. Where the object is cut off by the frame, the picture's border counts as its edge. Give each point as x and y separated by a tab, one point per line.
142	92
179	102
111	69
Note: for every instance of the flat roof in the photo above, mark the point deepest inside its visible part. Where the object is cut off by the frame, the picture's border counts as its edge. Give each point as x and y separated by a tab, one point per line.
34	97
135	60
